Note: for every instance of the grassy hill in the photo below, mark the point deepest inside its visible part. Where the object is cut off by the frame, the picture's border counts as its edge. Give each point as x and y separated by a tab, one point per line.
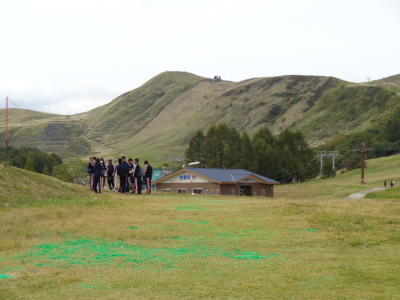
21	187
156	120
309	242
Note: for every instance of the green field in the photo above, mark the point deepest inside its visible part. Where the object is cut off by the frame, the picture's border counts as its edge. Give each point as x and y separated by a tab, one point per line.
60	241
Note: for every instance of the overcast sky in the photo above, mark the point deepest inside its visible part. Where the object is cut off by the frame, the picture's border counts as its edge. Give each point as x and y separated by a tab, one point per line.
71	56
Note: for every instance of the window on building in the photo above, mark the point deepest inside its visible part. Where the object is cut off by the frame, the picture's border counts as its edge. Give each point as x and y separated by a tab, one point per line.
232	192
197	191
212	192
217	192
182	191
166	190
262	193
254	194
206	192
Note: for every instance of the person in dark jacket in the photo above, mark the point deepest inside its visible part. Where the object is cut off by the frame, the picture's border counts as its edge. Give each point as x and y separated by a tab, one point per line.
103	179
98	173
122	171
129	179
117	176
137	175
111	175
148	173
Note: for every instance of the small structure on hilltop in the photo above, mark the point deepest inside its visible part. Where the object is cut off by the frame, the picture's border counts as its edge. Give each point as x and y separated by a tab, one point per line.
216	182
217	78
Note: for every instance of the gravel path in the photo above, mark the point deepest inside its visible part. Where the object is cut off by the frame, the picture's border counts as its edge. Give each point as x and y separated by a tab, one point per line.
360	195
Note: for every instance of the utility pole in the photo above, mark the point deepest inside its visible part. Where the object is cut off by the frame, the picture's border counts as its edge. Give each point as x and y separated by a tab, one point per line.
6	132
7	139
362	150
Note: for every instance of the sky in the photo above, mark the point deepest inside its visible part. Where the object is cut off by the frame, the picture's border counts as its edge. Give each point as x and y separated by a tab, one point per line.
68	57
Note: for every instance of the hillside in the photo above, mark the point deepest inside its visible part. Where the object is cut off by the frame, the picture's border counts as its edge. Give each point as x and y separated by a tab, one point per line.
156	120
20	187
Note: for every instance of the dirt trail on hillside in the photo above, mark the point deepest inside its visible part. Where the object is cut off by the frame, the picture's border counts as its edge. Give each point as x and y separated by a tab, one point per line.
360	195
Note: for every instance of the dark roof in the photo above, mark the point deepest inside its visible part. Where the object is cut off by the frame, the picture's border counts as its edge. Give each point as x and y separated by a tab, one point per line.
228	175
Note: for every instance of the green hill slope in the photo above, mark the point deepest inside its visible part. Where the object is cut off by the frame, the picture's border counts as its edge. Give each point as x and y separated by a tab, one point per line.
19	187
156	120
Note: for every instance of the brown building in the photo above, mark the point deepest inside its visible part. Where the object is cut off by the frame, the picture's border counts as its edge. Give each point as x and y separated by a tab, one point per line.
216	182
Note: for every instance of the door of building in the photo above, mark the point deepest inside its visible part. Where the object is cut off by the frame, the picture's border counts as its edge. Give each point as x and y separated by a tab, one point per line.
245	191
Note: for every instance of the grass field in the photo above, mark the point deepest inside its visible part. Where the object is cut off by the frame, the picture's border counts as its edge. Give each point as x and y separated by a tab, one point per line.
308	242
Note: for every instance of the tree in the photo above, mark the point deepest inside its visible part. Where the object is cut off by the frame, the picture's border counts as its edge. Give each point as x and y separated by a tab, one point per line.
232	146
45	170
266	151
327	170
29	165
246	153
61	172
221	147
195	152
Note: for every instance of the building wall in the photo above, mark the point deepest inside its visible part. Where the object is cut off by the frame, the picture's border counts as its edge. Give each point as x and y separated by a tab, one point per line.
185	177
189	186
255	189
224	189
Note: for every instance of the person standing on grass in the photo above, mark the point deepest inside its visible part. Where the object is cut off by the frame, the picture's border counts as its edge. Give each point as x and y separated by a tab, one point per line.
111	175
117	175
98	173
129	179
103	179
122	170
392	183
89	169
148	173
137	175
384	183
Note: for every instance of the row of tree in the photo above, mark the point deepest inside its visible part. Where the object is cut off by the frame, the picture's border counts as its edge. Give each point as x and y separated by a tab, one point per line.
285	157
31	159
34	160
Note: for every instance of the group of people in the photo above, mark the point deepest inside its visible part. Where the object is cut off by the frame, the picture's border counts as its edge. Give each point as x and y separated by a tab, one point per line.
129	173
391	183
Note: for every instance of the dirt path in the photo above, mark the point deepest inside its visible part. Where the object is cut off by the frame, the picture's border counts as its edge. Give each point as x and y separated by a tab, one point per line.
360	195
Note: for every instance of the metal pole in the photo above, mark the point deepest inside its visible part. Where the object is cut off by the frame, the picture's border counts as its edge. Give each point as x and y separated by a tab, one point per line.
321	166
321	154
362	167
6	132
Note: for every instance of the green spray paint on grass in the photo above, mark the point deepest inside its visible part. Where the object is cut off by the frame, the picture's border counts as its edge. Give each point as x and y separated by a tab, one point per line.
4	276
96	287
83	252
189	221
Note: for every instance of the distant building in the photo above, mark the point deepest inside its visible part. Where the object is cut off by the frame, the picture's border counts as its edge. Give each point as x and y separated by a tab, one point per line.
159	173
216	182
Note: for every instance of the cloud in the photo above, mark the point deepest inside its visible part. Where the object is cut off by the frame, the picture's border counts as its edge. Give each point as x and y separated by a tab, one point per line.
71	56
59	99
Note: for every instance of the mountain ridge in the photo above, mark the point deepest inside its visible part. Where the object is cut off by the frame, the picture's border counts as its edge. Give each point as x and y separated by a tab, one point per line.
156	121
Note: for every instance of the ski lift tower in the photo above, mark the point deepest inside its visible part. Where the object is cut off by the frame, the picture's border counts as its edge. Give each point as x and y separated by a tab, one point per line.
333	154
